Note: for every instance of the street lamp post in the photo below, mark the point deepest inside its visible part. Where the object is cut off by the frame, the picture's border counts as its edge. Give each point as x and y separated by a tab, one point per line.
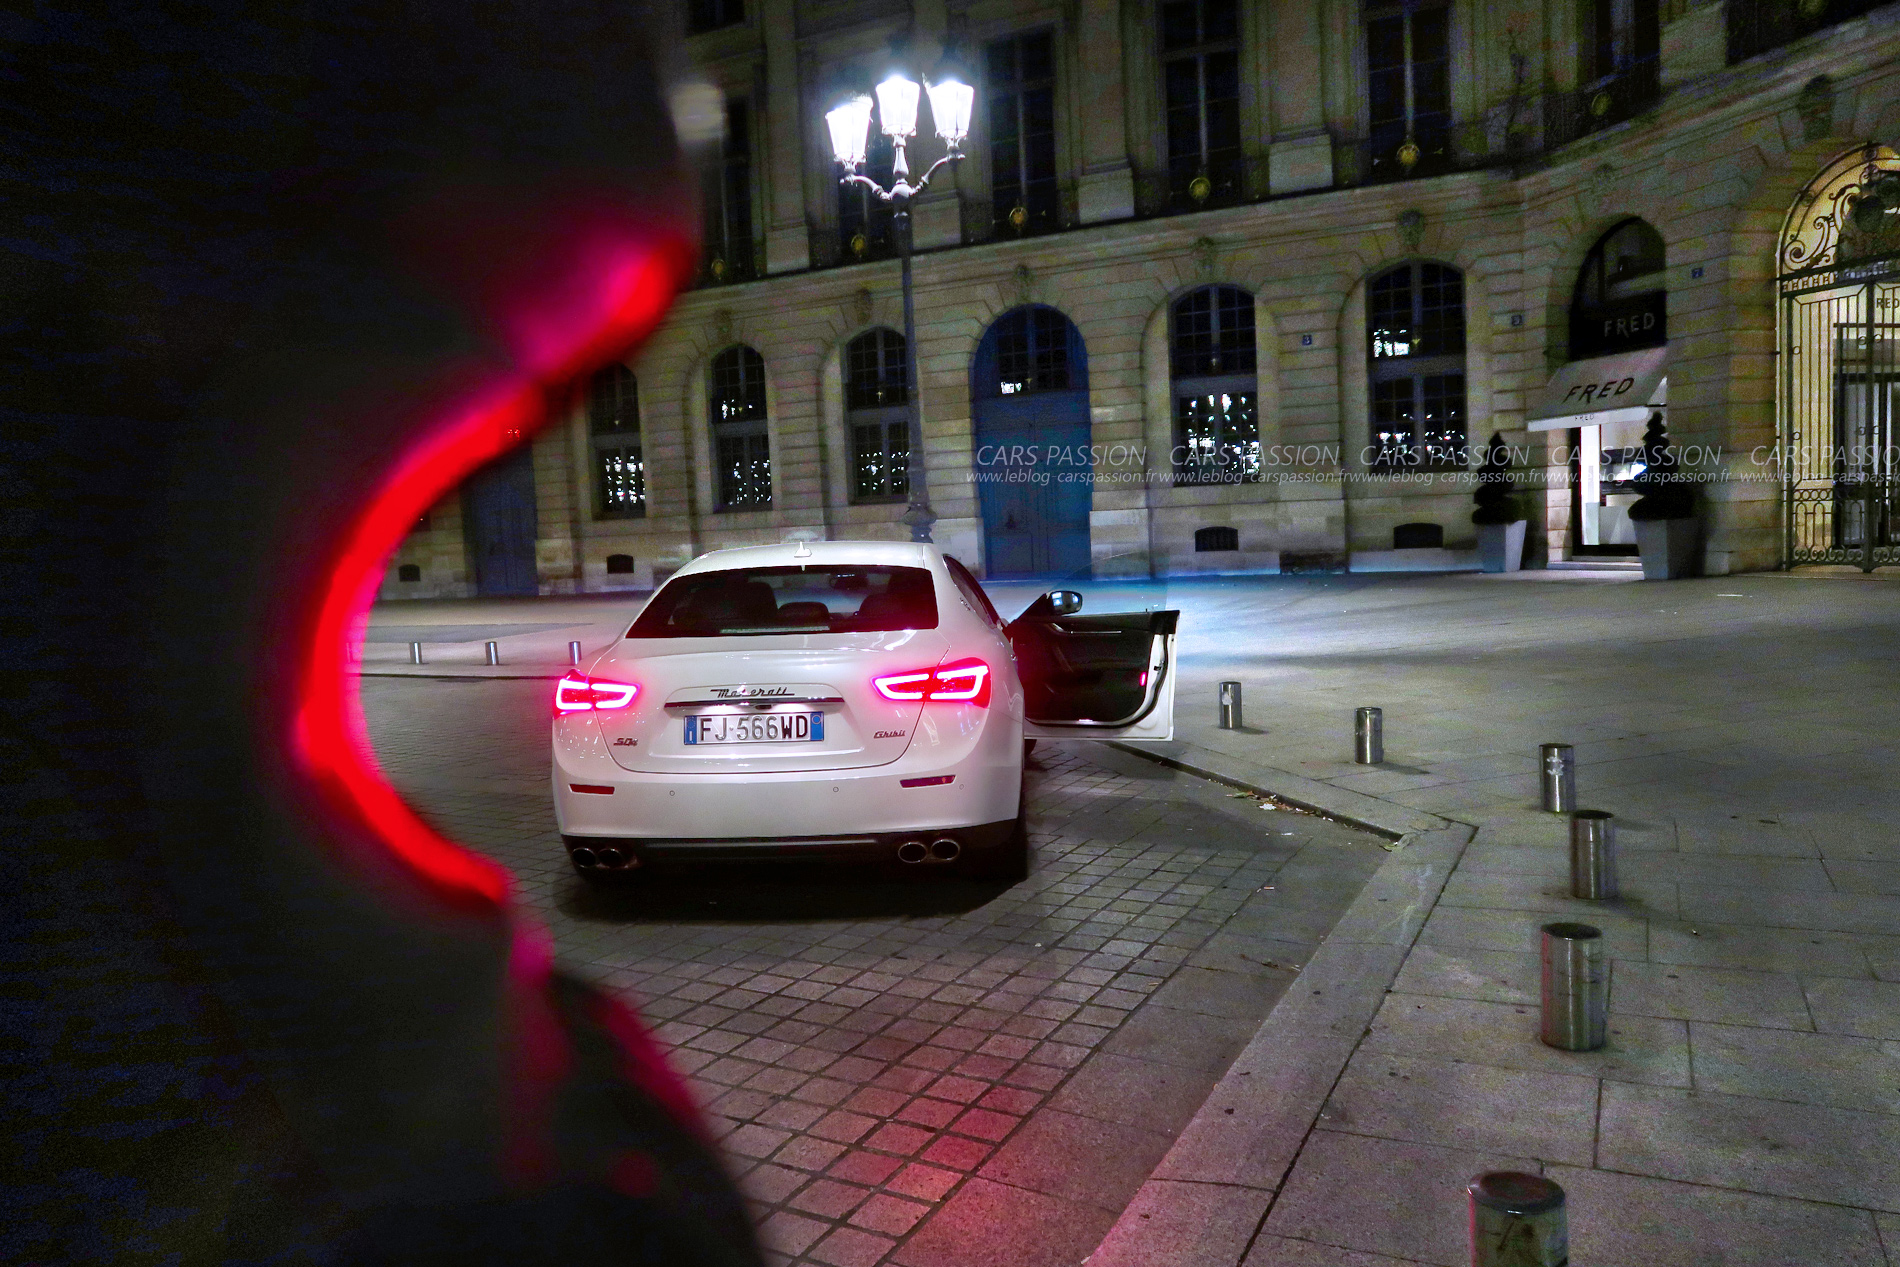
850	124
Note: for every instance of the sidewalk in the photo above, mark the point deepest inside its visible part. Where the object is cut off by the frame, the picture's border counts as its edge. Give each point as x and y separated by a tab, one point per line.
1743	730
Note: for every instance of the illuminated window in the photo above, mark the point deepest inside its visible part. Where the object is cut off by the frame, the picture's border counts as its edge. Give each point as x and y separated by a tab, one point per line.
742	451
613	428
1032	352
1211	374
1415	349
877	415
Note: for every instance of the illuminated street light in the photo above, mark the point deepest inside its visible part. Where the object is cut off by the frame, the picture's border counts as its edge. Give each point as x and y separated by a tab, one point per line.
951	101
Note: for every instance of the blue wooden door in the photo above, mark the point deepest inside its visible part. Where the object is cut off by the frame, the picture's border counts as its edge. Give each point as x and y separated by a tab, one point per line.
1030	407
498	523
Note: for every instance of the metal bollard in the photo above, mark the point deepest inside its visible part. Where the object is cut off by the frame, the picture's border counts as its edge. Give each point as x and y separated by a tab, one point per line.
1517	1220
1575	987
415	653
1230	706
494	653
1559	777
573	653
1592	854
1368	736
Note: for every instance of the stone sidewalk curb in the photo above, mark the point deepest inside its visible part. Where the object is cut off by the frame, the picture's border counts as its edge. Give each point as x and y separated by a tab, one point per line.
1383	817
1206	1201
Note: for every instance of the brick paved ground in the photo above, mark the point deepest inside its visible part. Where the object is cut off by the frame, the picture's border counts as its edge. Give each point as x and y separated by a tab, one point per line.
928	1074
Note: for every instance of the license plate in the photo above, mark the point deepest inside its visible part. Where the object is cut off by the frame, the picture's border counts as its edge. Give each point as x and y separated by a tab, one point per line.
755	728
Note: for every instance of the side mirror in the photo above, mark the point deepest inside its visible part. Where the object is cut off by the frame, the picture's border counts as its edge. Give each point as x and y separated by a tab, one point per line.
1051	606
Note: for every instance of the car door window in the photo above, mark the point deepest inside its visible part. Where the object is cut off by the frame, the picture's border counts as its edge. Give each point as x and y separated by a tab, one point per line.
972	591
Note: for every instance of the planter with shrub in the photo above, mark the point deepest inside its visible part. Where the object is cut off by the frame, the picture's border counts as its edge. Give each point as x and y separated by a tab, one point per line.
1499	514
1668	533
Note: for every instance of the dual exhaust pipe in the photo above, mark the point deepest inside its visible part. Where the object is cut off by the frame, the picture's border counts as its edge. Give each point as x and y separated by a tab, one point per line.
605	856
943	849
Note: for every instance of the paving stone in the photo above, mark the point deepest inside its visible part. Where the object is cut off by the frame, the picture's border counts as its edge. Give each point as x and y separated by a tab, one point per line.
1842	1005
1804	1151
1044	1231
1630	1219
1836	1069
816	1008
1183	1225
1042	1156
850	1247
1639	1048
1420	1212
1458	1104
1689	993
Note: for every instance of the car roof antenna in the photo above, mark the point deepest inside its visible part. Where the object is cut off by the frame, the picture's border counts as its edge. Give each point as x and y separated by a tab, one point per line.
803	551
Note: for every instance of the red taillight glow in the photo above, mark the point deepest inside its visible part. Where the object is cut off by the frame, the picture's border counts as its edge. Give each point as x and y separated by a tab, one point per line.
580	695
966	681
630	285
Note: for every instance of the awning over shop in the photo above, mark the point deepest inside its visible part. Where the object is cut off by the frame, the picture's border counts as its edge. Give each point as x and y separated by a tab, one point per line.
1620	387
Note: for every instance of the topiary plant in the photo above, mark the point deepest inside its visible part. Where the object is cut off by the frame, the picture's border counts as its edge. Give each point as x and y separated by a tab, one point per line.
1496	498
1665	494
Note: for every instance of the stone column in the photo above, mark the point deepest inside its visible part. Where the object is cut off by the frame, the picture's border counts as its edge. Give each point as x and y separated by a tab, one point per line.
787	240
1300	154
1694	40
1105	182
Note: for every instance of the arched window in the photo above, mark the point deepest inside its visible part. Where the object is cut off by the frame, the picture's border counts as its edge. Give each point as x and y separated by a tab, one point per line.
1211	372
1620	302
877	415
613	429
742	453
1415	352
1033	349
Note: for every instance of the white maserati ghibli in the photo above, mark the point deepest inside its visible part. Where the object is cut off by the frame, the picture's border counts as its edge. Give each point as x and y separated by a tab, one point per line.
855	699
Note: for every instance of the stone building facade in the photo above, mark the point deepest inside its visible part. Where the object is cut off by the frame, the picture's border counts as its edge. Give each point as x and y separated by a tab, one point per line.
1377	214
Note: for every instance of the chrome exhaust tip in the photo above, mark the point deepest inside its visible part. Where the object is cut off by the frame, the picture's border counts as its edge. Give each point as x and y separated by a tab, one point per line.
613	856
584	857
912	851
944	850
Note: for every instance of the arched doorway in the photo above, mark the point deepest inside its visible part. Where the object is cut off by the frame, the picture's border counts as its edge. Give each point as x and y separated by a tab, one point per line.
1839	266
498	517
1030	413
1620	305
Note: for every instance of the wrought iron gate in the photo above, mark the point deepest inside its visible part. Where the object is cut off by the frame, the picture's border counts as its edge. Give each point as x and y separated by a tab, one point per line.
1839	448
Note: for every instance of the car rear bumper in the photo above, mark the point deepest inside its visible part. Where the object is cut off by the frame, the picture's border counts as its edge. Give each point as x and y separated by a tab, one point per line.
609	855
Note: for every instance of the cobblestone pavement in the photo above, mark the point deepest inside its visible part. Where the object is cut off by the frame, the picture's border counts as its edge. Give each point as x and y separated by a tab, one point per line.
920	1071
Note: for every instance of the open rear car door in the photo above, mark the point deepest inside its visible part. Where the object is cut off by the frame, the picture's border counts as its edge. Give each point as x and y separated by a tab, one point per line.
1094	677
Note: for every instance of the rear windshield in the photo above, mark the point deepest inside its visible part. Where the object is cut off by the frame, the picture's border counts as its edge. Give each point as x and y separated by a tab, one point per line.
782	600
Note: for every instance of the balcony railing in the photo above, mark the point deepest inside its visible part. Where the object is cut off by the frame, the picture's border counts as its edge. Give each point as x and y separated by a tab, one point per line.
1370	162
1609	101
1755	26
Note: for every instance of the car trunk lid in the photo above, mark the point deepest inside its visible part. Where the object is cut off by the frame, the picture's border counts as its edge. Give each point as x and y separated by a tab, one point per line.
809	697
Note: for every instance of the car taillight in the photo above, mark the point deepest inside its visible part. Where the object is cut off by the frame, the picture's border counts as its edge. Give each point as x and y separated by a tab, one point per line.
965	681
579	695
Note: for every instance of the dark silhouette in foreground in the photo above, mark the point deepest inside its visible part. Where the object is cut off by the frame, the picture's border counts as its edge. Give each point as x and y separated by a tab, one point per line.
279	277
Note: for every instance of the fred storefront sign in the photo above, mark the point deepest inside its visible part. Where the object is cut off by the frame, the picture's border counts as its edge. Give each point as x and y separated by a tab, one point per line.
1601	390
